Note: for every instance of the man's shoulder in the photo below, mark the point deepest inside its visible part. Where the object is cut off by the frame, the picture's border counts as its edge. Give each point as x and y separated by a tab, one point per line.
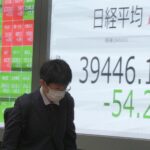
26	99
69	98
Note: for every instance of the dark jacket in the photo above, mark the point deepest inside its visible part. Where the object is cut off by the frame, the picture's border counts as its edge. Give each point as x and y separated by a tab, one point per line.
34	126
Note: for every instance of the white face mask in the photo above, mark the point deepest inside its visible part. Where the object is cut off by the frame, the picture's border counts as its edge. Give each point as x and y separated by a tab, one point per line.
55	95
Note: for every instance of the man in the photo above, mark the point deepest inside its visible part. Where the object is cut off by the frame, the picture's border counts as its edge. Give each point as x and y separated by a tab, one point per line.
43	119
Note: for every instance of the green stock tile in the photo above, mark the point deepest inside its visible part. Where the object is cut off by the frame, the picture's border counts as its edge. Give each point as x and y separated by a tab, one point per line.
17	57
27	50
17	51
5	92
15	92
29	9
5	77
26	2
27	59
26	76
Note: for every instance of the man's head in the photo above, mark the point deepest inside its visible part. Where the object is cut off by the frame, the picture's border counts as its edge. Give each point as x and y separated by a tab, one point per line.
55	75
56	71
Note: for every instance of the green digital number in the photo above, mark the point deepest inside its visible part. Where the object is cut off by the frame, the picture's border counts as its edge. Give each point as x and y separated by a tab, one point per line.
117	102
146	115
128	105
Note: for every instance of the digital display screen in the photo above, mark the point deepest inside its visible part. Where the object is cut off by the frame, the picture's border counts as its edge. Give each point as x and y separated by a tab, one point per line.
107	44
16	49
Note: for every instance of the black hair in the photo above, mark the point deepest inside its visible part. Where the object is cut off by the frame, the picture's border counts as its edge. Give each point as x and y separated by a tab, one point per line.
56	71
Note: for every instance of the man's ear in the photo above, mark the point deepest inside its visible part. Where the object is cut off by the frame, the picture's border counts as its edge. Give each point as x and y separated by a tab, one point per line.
43	85
42	82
